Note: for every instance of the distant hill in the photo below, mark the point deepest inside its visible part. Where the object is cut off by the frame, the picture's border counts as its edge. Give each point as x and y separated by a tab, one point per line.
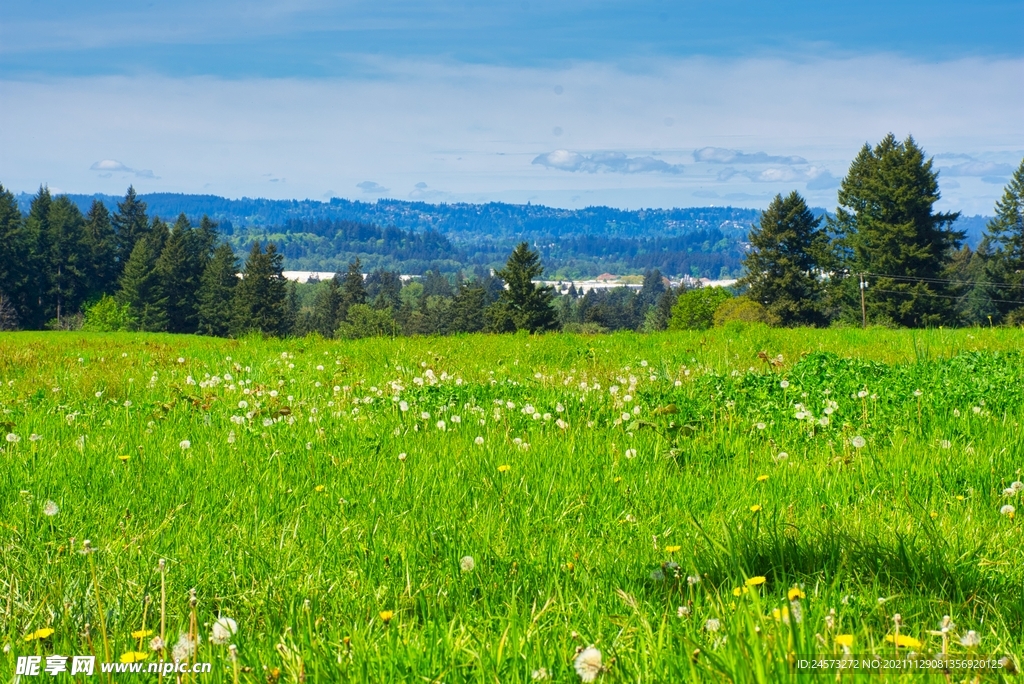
314	235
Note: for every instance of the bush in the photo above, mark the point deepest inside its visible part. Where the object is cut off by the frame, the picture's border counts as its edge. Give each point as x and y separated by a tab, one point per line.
107	315
743	310
695	309
365	321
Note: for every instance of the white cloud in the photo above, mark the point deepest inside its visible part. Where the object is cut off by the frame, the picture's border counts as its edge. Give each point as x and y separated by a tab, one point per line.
111	166
612	162
720	155
372	188
977	168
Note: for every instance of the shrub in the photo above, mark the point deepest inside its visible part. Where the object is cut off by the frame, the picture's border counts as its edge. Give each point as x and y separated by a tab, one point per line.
107	315
743	310
695	309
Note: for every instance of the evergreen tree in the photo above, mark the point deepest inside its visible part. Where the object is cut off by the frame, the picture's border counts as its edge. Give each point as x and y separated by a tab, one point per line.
468	308
15	250
216	293
327	307
101	240
353	290
522	305
1004	236
36	309
130	225
260	303
179	274
384	289
784	267
139	287
69	259
888	232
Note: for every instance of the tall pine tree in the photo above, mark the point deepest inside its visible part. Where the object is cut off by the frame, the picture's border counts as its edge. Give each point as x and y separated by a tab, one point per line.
68	261
130	225
523	305
216	293
14	257
327	307
37	306
784	266
1004	237
179	270
101	240
353	289
888	232
139	287
260	303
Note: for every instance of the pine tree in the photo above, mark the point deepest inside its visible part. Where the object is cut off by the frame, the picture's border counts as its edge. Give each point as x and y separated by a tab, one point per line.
14	256
37	309
260	303
784	267
216	293
327	307
353	290
179	274
1004	236
130	225
68	260
139	287
101	240
888	232
523	305
468	309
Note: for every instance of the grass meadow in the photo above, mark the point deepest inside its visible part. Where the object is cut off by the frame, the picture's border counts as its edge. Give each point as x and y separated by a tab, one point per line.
695	506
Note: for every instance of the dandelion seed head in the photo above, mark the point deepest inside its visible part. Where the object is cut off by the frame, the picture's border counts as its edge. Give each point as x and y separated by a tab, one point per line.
588	664
467	564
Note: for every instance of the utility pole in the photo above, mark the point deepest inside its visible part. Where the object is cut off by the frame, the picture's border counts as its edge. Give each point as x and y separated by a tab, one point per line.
863	306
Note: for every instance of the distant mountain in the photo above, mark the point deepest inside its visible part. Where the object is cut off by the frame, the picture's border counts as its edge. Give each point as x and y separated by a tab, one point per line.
313	235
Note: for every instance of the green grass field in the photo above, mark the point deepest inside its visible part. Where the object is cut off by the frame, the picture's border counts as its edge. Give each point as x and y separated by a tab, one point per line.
692	507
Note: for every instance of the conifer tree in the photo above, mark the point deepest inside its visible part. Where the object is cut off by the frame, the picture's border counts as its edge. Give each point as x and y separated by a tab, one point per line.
784	266
101	240
523	305
14	257
353	290
130	225
1004	237
327	307
260	303
468	309
68	260
215	297
179	273
37	309
139	287
888	233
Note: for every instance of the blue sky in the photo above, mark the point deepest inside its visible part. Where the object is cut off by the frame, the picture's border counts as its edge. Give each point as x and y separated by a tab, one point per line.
567	103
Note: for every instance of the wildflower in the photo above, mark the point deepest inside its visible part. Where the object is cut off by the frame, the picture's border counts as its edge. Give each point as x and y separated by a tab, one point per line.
672	549
401	456
223	629
231	437
319	488
13	438
34	437
781	457
141	633
712	625
386	615
156	644
50	509
918	393
795	593
561	424
691	580
539	674
781	615
1008	510
858	442
184	649
467	564
479	440
903	640
44	633
504	468
740	591
830	619
441	425
784	384
133	656
588	664
970	640
755	581
762	478
630	453
683	611
755	508
1017	486
845	640
185	444
403	406
760	426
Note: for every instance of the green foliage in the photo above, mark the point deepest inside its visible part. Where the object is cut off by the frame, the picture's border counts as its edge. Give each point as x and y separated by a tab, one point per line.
695	309
67	260
886	229
365	321
784	268
130	224
353	289
1004	243
327	313
522	305
260	299
743	310
108	315
216	292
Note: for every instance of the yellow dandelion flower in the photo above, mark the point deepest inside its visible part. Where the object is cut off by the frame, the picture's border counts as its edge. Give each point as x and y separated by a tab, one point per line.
903	640
319	488
672	549
844	640
795	593
617	479
755	581
762	478
755	508
933	515
959	497
781	615
141	633
504	468
43	633
386	615
123	458
570	567
740	591
133	657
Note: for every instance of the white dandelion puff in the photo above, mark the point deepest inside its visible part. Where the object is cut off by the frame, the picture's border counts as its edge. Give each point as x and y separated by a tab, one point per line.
630	453
971	639
401	456
479	441
467	564
50	509
184	649
588	664
185	444
858	442
13	438
222	631
712	625
1007	510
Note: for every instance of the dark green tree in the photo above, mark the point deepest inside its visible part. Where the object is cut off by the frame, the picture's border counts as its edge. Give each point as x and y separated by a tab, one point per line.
384	289
784	268
468	308
353	289
130	225
887	231
522	305
260	303
102	243
37	309
139	287
216	293
68	261
1004	238
179	271
327	307
15	250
